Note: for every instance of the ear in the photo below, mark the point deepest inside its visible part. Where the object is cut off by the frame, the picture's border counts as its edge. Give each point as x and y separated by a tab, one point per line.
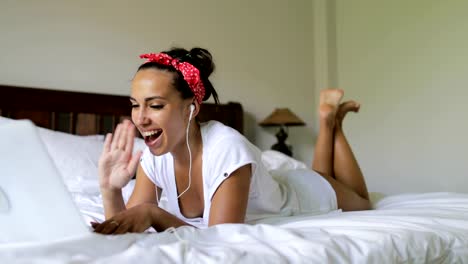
196	108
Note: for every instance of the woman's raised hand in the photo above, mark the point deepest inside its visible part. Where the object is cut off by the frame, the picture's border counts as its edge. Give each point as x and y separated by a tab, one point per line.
117	165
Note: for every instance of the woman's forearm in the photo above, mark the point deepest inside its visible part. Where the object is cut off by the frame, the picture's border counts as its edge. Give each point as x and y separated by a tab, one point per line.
113	202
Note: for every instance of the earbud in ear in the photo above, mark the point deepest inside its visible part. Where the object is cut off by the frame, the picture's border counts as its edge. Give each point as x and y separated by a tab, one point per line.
192	108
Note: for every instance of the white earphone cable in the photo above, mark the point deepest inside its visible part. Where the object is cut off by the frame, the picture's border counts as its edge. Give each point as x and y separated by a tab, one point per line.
157	194
190	155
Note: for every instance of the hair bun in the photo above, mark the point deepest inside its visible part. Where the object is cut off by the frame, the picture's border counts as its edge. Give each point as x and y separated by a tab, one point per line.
203	60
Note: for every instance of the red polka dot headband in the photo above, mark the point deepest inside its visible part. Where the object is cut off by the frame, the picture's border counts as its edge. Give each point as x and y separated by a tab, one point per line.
191	73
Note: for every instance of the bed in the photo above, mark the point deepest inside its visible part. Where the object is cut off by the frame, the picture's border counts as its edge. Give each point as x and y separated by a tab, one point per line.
404	228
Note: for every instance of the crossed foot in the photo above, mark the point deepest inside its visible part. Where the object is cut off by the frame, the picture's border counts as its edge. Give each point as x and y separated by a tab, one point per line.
331	111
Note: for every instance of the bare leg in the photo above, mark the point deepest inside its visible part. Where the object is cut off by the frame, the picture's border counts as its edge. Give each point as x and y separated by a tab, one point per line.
323	163
323	156
346	169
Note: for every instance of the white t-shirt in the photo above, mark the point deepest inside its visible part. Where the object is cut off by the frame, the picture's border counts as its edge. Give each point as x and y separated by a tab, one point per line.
224	151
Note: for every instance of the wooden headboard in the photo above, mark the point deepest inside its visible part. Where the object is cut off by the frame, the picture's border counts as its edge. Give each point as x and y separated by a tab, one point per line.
88	113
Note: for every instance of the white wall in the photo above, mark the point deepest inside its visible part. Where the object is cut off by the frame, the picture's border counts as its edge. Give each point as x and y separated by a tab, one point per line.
407	62
404	60
263	50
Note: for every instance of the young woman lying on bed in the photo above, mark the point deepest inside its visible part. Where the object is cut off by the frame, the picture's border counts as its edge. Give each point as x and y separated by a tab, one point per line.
209	172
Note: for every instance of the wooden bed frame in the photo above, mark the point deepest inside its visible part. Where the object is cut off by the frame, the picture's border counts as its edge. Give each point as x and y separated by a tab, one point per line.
88	113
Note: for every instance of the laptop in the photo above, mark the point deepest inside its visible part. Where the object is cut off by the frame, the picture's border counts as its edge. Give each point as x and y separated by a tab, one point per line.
35	205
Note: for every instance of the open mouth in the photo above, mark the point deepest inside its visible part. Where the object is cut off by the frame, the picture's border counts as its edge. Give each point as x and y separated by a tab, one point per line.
152	136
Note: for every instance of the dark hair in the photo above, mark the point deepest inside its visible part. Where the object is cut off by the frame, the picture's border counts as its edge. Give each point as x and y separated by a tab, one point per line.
200	59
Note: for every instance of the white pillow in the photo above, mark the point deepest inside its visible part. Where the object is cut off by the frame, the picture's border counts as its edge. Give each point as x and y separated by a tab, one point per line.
4	120
76	158
275	160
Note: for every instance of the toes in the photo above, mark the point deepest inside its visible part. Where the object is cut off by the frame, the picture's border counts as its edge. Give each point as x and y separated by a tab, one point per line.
349	106
345	107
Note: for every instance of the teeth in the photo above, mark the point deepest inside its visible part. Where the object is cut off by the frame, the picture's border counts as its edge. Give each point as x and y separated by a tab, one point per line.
150	133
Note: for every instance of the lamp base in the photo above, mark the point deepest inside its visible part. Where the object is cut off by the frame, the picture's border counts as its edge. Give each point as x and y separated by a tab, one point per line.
281	145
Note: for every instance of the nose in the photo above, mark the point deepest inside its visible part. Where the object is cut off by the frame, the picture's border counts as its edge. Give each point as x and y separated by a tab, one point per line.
140	117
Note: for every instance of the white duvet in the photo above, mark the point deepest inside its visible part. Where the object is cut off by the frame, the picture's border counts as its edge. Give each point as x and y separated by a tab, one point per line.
410	228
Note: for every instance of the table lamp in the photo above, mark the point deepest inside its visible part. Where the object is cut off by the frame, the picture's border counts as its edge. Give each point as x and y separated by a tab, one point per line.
282	117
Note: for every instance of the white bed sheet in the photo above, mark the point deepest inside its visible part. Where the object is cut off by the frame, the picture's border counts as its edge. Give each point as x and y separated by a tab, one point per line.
409	228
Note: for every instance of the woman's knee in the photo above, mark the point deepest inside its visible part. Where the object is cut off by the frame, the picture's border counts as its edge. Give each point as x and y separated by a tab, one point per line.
354	204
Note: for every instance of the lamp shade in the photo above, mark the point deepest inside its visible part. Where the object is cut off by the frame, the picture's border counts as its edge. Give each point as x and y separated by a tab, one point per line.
282	117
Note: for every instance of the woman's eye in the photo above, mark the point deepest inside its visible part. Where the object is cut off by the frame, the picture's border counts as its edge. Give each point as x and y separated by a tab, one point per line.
157	106
134	105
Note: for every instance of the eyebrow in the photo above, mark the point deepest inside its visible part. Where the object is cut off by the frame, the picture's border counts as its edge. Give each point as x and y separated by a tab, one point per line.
149	98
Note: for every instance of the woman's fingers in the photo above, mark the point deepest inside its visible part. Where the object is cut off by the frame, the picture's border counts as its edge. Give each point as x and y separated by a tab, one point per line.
130	137
99	227
121	230
107	227
112	227
122	143
116	137
107	143
123	136
94	224
117	164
